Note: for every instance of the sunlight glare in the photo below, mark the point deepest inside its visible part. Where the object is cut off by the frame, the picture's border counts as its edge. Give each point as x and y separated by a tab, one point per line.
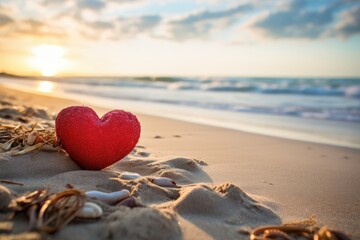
45	86
48	59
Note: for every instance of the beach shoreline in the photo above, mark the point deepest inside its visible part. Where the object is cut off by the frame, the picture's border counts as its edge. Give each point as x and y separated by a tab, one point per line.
294	178
304	127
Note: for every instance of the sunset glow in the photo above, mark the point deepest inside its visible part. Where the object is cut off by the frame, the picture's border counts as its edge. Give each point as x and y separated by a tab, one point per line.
180	38
45	86
48	59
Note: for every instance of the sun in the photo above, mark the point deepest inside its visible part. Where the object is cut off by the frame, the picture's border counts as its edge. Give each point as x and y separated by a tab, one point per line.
48	59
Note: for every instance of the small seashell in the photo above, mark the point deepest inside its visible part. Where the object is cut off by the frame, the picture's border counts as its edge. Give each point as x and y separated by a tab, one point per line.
5	198
128	202
90	210
129	175
163	182
32	138
109	198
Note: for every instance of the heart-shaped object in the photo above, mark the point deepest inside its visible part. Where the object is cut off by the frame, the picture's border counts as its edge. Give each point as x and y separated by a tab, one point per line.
95	143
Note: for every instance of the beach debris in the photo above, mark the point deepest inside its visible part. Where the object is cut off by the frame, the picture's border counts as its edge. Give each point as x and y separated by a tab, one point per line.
90	210
326	234
109	198
5	198
301	230
36	112
7	145
49	212
32	214
163	182
6	227
24	236
5	102
9	112
31	138
129	175
59	209
29	149
142	153
23	202
12	182
128	202
21	139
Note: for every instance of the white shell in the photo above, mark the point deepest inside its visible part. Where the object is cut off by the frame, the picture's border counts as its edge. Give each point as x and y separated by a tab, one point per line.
129	175
109	198
163	182
31	138
90	210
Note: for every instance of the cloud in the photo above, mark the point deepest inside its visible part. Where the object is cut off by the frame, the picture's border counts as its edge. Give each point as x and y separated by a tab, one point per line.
87	17
202	24
349	23
11	27
301	20
121	28
101	19
297	22
36	28
91	4
131	27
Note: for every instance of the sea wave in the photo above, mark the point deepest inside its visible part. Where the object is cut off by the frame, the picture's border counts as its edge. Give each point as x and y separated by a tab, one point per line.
291	86
325	99
347	113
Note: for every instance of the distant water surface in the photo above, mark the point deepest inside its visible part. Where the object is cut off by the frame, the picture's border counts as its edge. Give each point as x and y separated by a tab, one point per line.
311	109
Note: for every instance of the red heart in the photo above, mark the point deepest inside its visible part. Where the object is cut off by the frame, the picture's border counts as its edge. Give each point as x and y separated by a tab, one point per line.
95	143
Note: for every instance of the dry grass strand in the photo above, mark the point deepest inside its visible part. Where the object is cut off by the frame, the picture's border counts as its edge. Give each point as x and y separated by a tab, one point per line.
60	209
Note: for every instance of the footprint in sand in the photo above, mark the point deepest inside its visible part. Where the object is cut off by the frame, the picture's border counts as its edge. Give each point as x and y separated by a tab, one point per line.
139	151
268	183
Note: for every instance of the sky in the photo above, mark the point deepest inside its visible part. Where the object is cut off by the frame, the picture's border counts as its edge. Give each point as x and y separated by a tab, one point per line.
258	38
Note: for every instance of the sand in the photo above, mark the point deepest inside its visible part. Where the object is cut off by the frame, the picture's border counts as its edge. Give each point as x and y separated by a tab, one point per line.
230	181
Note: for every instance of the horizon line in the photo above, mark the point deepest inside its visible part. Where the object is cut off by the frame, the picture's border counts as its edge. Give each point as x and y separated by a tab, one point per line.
10	74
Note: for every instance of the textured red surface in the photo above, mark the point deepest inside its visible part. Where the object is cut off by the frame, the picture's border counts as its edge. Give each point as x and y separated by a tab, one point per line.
95	143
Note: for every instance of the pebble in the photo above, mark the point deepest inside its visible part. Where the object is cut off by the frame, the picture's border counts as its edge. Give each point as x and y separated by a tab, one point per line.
128	202
90	210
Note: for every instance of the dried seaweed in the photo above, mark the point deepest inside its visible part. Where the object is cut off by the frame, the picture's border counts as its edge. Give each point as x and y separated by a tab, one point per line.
21	139
298	230
60	209
49	213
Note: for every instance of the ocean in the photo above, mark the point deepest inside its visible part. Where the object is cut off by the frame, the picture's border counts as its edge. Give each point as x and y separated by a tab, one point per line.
324	110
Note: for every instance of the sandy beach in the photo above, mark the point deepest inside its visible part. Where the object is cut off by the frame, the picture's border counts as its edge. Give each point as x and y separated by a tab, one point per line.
231	181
